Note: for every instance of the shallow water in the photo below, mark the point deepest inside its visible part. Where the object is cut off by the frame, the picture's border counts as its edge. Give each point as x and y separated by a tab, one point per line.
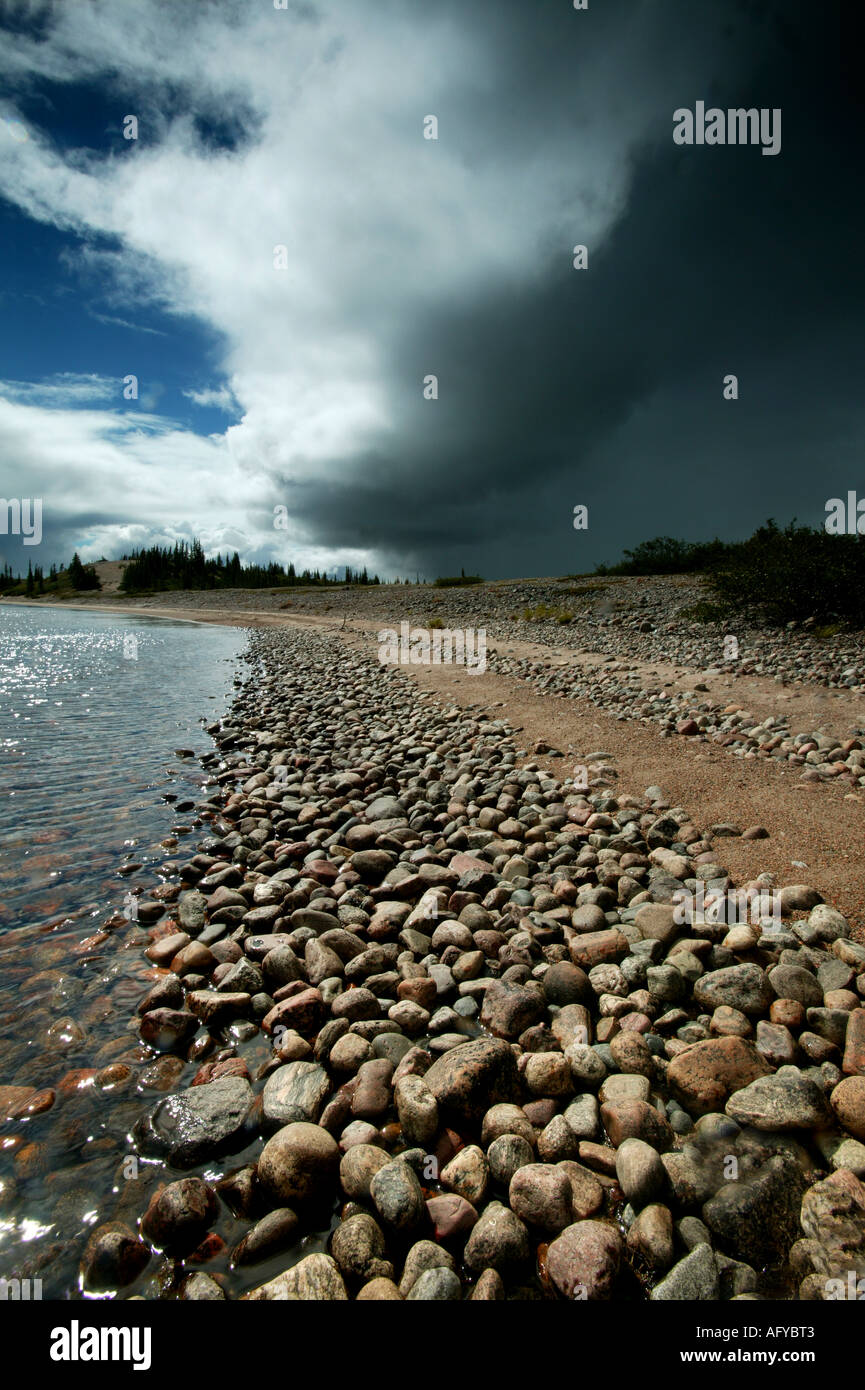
94	799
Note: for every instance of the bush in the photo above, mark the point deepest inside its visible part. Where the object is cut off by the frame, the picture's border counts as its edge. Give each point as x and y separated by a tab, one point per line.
789	575
455	581
796	573
704	612
545	612
666	555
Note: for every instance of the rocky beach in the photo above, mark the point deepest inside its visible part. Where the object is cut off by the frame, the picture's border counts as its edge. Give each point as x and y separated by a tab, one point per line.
426	1016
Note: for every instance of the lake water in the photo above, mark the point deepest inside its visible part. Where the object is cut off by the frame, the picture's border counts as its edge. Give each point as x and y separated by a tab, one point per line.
98	716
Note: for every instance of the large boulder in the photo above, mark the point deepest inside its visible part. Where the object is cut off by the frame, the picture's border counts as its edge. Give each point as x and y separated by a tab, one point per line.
756	1220
788	1100
703	1078
742	987
300	1163
471	1078
585	1259
200	1123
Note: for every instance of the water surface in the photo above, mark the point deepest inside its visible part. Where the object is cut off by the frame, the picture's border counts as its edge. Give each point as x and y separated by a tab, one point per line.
101	716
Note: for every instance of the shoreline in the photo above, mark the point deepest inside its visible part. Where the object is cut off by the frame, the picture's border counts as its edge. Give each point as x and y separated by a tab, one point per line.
820	812
323	927
580	1011
127	610
74	969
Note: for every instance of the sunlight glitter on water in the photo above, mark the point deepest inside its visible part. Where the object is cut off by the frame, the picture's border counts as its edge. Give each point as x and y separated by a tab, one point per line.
87	758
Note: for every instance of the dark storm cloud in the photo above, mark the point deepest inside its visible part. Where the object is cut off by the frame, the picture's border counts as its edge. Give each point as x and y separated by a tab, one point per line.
722	261
408	258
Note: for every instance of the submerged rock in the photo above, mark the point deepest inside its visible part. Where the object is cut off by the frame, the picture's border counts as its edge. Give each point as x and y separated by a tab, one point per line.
189	1128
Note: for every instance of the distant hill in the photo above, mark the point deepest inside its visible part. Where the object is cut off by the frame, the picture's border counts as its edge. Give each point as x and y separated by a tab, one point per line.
110	573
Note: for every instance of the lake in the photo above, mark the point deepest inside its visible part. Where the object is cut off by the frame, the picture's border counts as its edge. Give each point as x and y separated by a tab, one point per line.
101	723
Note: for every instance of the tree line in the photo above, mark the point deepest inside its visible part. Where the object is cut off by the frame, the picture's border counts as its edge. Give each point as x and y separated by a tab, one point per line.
74	576
185	566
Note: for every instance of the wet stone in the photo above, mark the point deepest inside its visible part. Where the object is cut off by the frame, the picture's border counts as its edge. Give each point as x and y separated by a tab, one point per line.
398	1197
299	1164
584	1261
189	1128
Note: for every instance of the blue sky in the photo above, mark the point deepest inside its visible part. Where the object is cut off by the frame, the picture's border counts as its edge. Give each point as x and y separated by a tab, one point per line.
302	386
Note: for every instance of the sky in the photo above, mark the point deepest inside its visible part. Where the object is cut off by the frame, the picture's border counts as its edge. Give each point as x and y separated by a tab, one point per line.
238	309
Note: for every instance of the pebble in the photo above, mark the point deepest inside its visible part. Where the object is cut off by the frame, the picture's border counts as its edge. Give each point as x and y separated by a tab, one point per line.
436	1285
299	1163
315	1279
540	1194
639	1171
788	1100
423	1256
498	1241
468	1174
113	1258
694	1278
584	1260
180	1215
848	1102
398	1197
359	1248
294	1092
651	1236
412	938
186	1129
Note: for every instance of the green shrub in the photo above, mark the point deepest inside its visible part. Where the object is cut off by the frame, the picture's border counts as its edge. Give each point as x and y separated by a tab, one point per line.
789	574
456	581
796	573
666	555
704	612
545	612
